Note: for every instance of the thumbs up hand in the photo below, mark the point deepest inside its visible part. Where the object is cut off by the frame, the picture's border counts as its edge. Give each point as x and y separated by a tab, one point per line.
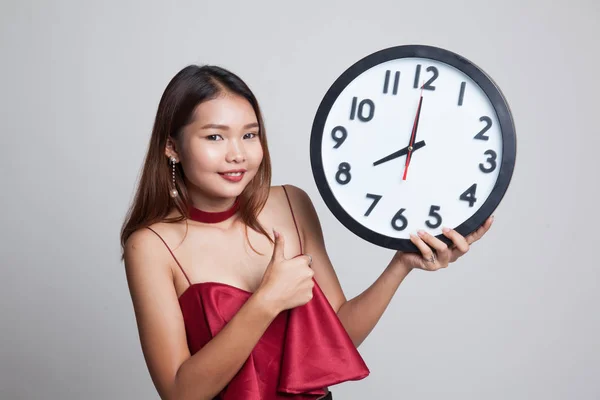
286	283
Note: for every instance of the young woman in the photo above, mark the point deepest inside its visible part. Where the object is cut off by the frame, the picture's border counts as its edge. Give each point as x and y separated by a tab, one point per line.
233	291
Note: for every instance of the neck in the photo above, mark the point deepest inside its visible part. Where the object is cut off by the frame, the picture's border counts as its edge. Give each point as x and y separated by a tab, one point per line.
209	202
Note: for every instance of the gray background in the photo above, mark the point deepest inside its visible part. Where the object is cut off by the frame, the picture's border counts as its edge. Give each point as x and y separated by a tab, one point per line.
80	82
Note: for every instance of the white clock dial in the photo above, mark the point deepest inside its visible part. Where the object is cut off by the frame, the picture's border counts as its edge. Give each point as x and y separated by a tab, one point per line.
412	138
375	114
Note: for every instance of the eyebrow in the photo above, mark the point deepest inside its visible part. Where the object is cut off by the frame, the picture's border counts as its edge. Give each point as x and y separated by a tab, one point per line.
225	127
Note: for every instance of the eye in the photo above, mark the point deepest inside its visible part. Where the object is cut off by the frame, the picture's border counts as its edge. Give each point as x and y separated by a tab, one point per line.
214	137
250	135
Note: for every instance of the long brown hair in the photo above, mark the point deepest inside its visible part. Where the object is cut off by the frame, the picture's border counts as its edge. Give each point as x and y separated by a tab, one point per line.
152	202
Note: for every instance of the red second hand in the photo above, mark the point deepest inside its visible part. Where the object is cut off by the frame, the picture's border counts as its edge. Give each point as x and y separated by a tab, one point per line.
413	135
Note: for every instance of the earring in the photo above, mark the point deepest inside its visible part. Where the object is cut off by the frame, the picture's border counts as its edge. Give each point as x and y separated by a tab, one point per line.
174	192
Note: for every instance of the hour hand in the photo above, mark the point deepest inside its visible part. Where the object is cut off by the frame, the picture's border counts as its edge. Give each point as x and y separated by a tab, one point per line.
400	153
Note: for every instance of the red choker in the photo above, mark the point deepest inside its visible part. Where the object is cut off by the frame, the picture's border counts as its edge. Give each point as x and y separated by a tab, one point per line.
213	217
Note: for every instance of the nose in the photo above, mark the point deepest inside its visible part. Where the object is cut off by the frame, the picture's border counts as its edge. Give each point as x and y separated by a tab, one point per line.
235	151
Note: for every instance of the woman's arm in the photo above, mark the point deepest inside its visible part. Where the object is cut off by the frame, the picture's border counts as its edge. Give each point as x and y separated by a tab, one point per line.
175	373
360	314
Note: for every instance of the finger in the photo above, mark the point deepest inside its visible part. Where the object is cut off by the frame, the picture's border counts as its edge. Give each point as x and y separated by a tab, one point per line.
475	236
279	246
305	258
308	259
425	250
432	241
459	241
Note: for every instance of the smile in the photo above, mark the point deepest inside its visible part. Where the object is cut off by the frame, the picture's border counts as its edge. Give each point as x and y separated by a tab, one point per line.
233	176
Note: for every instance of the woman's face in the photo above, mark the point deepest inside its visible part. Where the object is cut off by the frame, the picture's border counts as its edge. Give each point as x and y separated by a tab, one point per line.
220	151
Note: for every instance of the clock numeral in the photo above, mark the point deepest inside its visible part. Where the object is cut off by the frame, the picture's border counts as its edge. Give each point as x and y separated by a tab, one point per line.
343	175
343	133
433	212
375	198
461	95
488	125
491	160
417	76
427	85
469	195
399	222
361	109
387	82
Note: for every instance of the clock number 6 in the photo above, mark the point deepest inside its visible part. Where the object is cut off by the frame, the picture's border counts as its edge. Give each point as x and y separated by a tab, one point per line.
433	212
343	175
401	219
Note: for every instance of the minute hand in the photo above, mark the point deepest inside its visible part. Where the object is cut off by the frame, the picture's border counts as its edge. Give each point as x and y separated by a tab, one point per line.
400	153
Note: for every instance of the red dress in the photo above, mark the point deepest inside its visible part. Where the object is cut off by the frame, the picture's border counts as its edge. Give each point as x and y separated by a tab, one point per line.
303	351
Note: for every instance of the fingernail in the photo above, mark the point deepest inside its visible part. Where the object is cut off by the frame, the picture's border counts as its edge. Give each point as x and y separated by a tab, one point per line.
421	233
445	230
493	217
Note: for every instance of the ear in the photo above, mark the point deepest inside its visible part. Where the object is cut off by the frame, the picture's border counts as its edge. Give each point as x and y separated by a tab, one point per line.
171	150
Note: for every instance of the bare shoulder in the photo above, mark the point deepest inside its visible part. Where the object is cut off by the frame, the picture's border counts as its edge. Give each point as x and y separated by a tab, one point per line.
301	204
276	203
304	209
140	244
144	255
297	196
276	197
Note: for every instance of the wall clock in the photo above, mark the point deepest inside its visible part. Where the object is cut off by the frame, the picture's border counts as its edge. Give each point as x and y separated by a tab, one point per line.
412	137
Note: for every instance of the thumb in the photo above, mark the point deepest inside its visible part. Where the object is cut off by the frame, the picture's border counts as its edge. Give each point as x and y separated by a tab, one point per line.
279	245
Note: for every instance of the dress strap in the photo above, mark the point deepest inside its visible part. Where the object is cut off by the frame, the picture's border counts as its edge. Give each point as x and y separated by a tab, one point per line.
174	258
293	217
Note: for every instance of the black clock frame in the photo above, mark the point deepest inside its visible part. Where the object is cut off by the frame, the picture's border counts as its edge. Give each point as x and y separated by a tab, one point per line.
491	90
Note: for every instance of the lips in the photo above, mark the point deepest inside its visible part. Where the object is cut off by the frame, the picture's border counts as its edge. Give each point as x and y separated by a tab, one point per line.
234	175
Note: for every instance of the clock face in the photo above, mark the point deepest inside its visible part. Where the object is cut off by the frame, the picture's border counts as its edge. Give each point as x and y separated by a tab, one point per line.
412	138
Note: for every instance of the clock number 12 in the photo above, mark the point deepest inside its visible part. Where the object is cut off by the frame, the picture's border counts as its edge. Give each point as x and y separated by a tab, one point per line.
428	85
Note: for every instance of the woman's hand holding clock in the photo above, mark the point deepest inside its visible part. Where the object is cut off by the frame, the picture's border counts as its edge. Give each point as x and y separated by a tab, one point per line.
435	254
